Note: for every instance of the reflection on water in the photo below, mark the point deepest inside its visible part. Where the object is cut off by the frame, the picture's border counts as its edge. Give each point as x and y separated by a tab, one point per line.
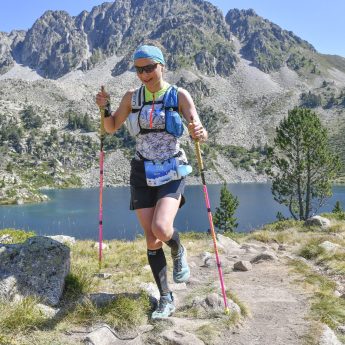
74	212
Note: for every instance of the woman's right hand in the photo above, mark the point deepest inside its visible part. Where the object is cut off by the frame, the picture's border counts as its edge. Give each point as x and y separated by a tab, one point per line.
102	98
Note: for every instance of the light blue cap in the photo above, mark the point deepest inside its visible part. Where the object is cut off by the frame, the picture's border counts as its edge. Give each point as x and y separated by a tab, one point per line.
149	52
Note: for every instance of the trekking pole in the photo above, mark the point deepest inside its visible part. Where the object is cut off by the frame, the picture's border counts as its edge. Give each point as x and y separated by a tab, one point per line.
209	213
101	162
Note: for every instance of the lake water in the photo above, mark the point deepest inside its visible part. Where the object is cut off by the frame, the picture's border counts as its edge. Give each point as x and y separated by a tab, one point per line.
74	212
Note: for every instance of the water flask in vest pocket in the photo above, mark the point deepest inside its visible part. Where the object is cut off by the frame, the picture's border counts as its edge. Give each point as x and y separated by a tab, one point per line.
133	124
173	122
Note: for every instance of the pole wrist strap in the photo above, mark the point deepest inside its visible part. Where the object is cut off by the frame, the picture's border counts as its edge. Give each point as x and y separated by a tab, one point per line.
107	110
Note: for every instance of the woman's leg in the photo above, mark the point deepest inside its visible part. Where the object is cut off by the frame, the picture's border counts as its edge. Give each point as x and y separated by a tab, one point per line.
155	253
162	228
158	264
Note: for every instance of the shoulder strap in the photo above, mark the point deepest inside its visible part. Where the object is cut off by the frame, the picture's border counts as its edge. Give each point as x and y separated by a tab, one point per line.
138	98
170	99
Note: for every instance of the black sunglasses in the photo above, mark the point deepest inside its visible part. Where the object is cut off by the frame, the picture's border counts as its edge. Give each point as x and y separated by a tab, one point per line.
147	68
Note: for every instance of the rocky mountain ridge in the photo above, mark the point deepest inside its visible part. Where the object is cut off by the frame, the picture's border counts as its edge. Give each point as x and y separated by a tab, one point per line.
243	72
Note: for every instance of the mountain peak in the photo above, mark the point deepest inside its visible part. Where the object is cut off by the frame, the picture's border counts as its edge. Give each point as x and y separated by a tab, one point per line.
264	43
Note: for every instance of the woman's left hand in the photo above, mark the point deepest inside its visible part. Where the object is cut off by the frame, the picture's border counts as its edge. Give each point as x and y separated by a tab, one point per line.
197	131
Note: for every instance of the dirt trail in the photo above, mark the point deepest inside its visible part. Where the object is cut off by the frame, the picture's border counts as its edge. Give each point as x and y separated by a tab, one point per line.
278	307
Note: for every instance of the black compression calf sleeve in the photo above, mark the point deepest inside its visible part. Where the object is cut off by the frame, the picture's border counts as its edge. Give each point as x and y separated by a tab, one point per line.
158	266
174	243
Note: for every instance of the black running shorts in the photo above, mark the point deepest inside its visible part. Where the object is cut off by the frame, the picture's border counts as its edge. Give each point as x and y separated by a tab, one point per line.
144	196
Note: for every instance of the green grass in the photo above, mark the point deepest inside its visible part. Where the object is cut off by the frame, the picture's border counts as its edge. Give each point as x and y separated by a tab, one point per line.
18	236
208	333
125	312
325	307
312	250
328	309
22	316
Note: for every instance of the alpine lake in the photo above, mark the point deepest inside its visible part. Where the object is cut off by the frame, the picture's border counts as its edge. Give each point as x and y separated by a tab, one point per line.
75	212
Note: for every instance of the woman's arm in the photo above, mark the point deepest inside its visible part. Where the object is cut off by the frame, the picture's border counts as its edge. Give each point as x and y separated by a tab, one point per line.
118	117
188	110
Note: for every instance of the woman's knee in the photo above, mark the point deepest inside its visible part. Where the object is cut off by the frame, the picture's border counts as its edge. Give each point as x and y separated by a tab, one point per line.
162	230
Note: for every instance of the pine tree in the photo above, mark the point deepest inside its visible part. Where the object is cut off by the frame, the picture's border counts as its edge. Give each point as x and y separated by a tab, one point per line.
224	218
337	208
302	165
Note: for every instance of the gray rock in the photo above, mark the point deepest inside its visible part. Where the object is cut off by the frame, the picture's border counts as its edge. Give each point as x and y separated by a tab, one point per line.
243	266
328	337
101	336
103	275
6	239
213	303
104	335
101	299
263	257
36	267
337	293
228	245
151	290
282	247
64	239
329	246
178	337
341	329
318	221
206	259
47	311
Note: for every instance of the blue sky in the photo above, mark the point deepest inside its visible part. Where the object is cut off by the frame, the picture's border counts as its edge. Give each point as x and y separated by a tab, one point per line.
319	22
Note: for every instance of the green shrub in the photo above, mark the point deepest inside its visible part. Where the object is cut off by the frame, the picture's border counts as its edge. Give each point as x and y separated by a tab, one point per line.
311	251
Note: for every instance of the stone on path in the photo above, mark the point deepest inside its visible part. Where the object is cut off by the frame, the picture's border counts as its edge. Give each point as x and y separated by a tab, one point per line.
178	337
104	335
243	266
264	257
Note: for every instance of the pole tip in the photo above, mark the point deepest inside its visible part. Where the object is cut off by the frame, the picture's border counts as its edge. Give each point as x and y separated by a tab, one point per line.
227	311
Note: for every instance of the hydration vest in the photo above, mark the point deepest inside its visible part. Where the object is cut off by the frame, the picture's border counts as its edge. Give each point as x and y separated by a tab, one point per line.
173	120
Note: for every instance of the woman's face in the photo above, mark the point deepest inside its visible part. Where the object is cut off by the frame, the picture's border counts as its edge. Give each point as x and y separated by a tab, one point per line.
151	74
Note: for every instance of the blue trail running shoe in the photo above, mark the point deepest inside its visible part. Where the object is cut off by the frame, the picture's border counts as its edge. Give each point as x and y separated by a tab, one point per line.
166	307
181	272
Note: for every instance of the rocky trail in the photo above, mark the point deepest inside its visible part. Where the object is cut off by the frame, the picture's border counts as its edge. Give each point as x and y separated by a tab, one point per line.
277	307
267	305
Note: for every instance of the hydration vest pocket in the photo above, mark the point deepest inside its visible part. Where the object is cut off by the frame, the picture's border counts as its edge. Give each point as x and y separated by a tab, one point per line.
173	123
133	124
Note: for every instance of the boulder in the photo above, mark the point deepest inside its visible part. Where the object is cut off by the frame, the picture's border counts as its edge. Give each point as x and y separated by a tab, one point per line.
318	221
228	245
37	267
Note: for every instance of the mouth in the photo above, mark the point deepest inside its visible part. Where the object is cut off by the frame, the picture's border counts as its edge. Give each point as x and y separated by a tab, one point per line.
147	81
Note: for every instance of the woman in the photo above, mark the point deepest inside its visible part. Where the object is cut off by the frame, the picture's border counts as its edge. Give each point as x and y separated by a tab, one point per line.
156	203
